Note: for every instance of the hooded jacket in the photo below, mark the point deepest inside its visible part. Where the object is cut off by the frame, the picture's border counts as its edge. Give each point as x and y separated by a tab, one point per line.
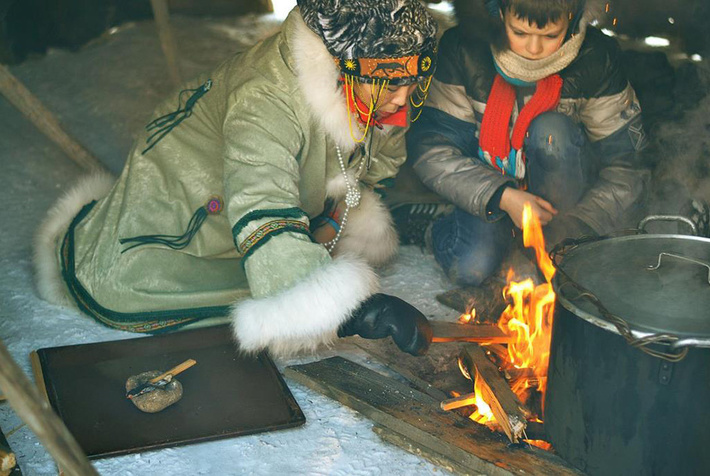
443	144
257	136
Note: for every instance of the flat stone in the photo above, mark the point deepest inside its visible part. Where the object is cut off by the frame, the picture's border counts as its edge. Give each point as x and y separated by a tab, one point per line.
157	400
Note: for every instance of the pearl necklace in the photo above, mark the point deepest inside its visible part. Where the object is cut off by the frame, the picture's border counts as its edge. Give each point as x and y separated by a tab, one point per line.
352	197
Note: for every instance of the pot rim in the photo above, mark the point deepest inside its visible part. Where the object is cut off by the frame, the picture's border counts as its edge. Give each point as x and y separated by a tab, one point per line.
605	324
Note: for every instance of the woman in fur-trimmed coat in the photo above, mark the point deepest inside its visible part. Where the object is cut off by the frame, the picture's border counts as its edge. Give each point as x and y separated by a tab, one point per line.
212	213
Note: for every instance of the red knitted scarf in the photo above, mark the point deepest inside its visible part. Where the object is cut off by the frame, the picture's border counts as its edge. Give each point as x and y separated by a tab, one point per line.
495	137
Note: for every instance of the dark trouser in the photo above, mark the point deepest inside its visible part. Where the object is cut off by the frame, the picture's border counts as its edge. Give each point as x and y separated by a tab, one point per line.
468	248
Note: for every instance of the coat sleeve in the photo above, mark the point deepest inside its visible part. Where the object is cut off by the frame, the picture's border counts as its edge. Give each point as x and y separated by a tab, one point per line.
299	295
442	144
611	116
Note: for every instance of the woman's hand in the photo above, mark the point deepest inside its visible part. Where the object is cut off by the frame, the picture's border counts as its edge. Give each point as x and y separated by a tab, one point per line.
513	202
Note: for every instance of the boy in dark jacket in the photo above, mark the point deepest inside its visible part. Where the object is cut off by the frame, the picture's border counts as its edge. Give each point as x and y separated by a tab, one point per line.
538	112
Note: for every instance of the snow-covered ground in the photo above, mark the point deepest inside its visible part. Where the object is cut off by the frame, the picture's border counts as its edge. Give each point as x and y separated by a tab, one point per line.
102	94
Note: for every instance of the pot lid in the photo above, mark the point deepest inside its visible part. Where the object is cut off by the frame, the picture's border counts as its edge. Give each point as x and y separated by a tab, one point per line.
624	274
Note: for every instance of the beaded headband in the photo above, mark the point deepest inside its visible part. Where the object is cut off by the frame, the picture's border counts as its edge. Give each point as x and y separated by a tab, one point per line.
397	71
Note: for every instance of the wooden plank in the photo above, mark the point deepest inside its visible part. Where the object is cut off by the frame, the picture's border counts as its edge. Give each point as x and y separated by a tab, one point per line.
458	332
27	402
436	373
43	119
416	416
435	458
505	405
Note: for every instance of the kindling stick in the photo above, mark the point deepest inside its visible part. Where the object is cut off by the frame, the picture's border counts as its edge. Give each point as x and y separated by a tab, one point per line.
26	400
457	332
167	40
43	119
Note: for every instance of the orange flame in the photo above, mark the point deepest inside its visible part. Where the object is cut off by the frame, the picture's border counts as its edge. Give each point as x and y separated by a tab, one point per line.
468	317
529	318
483	413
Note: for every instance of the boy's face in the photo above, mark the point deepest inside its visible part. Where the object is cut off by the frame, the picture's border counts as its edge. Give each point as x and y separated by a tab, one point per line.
532	42
391	100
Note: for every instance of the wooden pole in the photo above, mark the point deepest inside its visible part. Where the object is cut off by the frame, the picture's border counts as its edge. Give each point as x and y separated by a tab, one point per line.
43	119
167	40
26	400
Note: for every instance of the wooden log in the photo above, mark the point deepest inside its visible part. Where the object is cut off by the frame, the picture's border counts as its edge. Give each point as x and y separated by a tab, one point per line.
167	40
457	332
417	417
35	411
43	119
505	405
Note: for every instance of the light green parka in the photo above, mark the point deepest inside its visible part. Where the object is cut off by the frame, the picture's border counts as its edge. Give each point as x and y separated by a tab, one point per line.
260	134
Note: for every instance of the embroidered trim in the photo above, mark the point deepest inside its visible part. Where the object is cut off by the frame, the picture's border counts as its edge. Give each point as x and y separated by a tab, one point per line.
293	212
253	240
402	70
153	322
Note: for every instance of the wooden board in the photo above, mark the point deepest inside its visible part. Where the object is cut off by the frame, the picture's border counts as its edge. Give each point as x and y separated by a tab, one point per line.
435	373
416	417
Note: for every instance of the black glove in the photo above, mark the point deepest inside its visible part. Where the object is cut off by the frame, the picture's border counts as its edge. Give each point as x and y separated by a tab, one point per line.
382	315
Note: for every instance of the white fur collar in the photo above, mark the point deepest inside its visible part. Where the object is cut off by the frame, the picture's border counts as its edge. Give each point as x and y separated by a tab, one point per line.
318	75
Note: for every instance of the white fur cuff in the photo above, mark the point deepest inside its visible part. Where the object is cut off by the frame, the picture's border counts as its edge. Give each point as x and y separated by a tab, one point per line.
306	315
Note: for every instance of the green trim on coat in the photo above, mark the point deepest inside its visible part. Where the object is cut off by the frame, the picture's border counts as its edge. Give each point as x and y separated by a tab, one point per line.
293	212
265	240
153	322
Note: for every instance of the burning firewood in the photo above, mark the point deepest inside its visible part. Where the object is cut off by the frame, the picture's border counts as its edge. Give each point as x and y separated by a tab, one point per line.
504	404
458	402
456	332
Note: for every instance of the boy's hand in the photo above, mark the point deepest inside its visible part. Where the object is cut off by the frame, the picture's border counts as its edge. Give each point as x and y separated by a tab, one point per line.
513	201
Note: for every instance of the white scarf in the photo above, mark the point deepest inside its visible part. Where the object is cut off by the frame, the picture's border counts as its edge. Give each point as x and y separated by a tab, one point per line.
531	71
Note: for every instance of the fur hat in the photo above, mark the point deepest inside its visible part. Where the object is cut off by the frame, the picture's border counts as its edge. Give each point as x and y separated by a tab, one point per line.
394	40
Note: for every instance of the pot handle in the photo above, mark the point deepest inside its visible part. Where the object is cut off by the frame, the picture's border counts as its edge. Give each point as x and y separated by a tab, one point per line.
651	218
685	258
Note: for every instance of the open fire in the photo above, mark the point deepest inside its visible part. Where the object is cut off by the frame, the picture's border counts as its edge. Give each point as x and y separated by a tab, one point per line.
528	320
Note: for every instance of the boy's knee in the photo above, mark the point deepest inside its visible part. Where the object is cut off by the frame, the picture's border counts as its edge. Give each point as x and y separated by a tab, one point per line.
553	137
475	266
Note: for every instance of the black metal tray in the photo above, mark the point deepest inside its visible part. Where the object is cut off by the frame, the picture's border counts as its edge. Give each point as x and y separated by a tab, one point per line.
225	395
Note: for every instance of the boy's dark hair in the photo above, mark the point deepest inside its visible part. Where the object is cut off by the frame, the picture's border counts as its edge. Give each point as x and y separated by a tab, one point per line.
542	12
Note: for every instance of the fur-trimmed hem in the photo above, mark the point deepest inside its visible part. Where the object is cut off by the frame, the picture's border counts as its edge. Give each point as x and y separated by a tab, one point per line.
369	232
48	275
306	315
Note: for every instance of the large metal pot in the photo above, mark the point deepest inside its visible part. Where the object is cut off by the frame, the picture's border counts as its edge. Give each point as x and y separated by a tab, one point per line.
629	375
